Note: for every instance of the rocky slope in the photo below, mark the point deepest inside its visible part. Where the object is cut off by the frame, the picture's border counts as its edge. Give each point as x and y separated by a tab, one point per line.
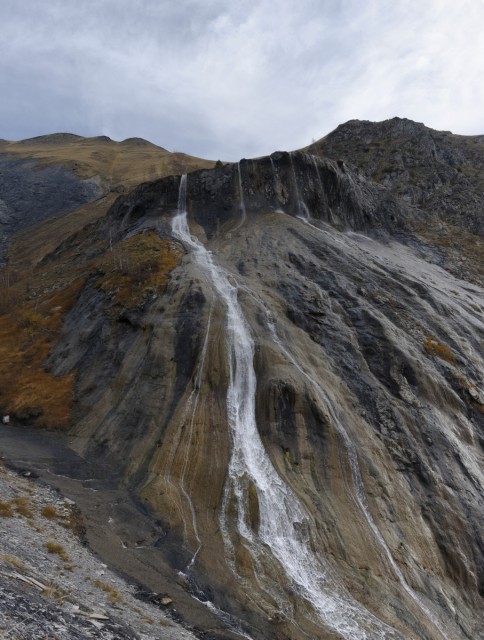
439	173
52	587
277	362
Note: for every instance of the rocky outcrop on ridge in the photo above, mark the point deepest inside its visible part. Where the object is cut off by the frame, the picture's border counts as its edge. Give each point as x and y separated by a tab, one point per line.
437	171
296	183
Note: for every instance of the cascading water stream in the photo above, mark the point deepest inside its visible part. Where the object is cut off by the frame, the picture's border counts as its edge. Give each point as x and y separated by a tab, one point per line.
302	210
243	210
281	515
276	182
188	419
360	493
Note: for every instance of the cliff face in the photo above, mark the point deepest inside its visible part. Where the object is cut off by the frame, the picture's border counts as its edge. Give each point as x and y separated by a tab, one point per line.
439	174
437	171
274	360
294	183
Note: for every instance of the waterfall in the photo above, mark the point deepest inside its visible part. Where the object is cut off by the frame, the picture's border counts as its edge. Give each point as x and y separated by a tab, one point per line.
243	210
276	183
302	210
182	193
275	177
360	494
282	517
316	168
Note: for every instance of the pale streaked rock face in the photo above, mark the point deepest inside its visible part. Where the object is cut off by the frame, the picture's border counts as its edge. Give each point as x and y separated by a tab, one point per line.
282	360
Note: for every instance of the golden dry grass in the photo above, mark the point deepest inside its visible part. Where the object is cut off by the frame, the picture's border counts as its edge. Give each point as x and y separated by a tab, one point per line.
14	562
49	512
435	348
58	549
27	335
22	506
125	163
113	594
136	268
6	510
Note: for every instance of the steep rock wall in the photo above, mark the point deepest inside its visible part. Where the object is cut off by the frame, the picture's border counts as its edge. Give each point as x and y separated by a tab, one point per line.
437	171
294	183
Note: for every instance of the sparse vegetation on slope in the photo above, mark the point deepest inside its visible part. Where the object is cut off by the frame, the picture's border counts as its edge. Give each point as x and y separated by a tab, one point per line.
353	354
27	334
43	597
136	269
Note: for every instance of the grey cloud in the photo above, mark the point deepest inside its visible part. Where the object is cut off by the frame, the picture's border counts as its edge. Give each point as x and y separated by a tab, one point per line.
228	80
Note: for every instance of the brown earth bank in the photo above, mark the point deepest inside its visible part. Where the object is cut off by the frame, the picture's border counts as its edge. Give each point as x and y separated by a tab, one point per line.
292	422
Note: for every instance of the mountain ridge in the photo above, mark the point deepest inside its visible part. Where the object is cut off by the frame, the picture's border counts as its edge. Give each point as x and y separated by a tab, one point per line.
368	396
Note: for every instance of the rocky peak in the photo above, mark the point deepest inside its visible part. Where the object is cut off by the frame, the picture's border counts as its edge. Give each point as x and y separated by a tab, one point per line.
437	171
367	130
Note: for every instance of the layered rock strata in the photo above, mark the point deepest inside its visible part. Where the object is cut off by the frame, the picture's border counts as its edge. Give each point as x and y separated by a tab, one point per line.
297	300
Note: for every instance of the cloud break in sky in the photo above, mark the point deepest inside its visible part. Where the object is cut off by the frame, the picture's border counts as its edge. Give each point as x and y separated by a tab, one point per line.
222	79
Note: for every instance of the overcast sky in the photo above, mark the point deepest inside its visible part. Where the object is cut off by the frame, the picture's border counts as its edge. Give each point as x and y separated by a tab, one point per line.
237	78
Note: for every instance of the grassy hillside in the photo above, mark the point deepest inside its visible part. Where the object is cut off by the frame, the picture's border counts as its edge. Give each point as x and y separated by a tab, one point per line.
115	164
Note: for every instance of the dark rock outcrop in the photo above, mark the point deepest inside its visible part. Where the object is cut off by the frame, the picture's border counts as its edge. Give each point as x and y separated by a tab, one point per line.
29	194
437	171
295	183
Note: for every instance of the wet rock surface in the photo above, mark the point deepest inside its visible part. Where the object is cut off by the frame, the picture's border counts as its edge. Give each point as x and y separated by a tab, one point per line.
295	183
367	354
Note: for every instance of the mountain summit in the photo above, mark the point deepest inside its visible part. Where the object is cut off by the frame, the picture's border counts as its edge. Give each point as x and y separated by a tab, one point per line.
269	372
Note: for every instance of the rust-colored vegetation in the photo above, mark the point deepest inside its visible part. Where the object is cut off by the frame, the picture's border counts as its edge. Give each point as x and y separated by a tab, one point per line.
33	304
27	333
435	348
6	510
113	594
53	547
50	512
136	269
22	506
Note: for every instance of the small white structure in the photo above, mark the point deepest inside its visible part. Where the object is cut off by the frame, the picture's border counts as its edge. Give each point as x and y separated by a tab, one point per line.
6	419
